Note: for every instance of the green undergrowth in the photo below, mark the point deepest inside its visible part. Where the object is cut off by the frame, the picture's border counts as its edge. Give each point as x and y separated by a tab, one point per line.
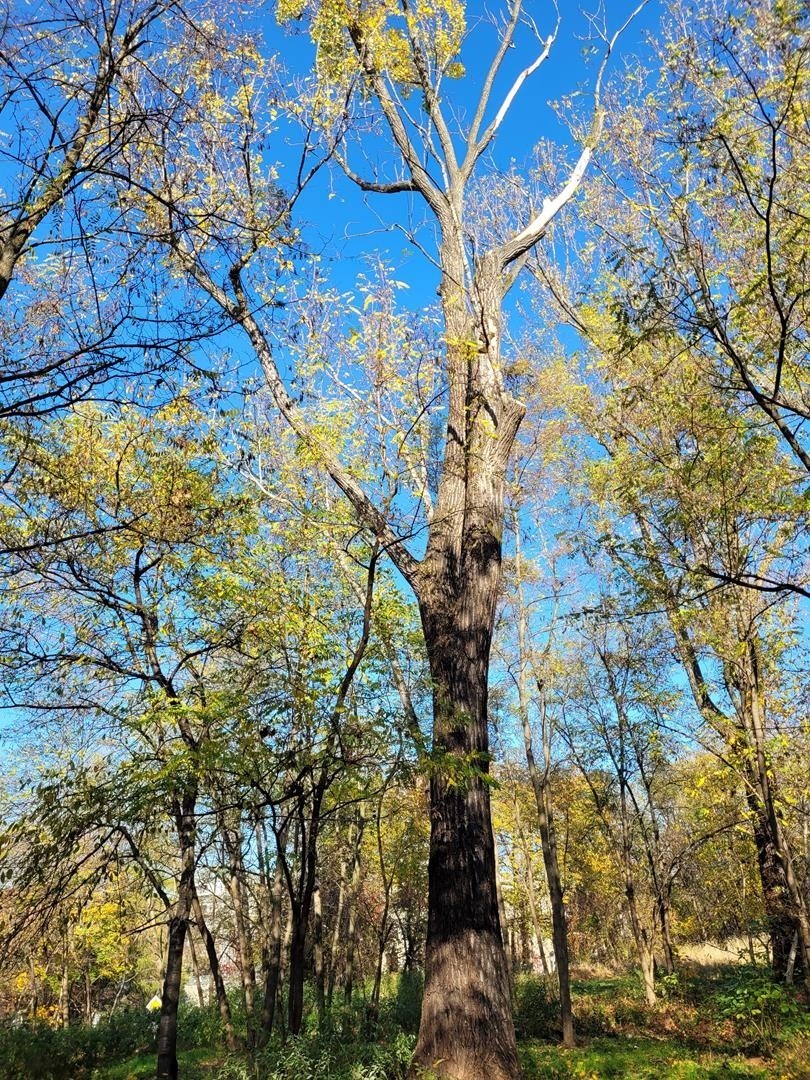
635	1059
732	1023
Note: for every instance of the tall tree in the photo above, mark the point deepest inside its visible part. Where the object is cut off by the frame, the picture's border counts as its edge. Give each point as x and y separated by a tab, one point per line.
377	57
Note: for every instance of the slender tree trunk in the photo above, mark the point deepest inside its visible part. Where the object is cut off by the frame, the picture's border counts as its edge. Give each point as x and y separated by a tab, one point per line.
644	949
663	902
273	965
537	929
284	970
244	944
64	984
272	891
545	816
231	1040
317	953
643	940
195	967
300	908
559	924
351	930
295	976
531	894
508	939
178	928
337	934
34	979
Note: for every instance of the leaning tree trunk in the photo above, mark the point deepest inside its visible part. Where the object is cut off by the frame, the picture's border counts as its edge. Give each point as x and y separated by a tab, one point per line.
779	914
224	1006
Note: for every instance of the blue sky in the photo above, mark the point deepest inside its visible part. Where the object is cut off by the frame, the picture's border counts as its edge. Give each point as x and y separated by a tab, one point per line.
347	225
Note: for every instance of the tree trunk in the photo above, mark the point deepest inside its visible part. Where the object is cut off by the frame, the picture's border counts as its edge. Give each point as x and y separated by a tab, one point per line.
271	948
284	970
666	930
351	930
242	923
537	929
466	1030
317	953
178	927
337	935
195	967
508	940
295	977
231	1040
273	960
559	924
776	901
167	1026
545	816
64	984
797	911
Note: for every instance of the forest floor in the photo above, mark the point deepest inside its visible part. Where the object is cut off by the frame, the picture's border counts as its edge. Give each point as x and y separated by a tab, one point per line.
709	1023
726	1024
614	1058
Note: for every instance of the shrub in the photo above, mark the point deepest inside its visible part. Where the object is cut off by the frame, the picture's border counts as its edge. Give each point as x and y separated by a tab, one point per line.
537	1008
38	1052
325	1056
198	1027
761	1010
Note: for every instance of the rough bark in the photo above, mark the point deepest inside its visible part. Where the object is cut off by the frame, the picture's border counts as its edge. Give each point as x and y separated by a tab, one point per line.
466	1029
272	965
178	928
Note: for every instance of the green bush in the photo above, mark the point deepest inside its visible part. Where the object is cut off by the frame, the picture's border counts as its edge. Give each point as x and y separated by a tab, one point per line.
39	1052
537	1008
761	1010
325	1056
198	1027
401	1007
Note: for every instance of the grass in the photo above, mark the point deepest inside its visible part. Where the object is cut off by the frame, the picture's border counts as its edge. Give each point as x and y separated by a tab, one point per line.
728	1024
194	1065
635	1059
603	1058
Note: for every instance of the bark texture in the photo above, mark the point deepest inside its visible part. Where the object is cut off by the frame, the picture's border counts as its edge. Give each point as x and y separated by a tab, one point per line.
466	1030
178	928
